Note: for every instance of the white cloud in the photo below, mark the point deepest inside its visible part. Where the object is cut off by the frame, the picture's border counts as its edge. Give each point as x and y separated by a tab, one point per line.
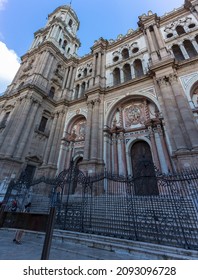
2	4
9	64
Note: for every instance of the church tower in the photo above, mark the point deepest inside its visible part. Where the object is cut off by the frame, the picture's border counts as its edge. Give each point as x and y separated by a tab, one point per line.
60	30
34	106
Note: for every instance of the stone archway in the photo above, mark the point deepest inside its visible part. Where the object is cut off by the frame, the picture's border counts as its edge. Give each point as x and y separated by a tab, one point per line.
145	182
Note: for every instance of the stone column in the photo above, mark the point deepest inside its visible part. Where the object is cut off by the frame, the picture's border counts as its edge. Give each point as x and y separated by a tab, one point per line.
154	55
48	66
11	124
59	133
56	139
171	115
195	44
43	62
121	76
92	81
150	40
70	153
100	131
86	156
73	77
163	51
69	77
185	111
164	147
106	150
98	70
19	130
123	153
95	128
50	139
183	50
132	72
158	36
115	153
27	129
65	77
154	148
63	155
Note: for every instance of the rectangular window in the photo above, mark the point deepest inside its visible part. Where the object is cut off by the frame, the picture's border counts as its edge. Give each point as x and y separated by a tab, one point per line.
43	124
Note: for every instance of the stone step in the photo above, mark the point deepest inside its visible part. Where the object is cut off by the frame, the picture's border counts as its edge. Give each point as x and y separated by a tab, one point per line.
149	250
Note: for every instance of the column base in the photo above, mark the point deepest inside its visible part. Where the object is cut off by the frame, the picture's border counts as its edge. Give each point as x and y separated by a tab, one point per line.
185	160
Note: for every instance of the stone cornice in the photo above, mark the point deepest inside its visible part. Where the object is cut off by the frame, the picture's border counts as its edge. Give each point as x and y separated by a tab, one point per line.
127	84
125	39
46	46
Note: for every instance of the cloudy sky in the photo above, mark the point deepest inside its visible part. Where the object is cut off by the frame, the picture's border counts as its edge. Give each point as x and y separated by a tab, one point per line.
19	19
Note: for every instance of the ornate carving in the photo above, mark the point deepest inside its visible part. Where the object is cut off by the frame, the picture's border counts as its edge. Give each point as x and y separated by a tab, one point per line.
163	81
133	115
173	78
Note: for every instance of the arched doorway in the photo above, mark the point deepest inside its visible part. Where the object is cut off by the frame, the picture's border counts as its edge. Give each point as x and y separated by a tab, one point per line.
145	182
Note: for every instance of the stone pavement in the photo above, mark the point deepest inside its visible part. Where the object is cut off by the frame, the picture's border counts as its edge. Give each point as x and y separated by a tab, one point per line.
31	249
80	246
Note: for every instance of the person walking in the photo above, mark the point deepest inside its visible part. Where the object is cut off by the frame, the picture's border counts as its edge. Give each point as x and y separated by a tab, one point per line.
19	233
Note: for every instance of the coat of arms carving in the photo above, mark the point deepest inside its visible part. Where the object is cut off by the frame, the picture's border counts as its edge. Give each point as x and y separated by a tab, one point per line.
134	115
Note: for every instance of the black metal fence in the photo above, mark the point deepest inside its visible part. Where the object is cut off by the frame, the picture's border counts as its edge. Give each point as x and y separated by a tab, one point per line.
111	205
108	204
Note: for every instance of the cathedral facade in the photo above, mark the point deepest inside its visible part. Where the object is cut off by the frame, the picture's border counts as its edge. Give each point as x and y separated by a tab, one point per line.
129	102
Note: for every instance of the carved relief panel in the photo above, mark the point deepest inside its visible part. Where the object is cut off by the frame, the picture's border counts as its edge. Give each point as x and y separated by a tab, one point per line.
79	128
134	114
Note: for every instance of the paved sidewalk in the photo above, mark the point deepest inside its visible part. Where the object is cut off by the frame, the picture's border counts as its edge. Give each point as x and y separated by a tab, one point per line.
32	245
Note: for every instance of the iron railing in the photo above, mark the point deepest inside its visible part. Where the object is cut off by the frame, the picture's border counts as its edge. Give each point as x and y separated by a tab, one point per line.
109	204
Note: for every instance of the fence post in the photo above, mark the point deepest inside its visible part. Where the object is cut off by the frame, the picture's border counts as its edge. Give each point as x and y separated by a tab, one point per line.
49	234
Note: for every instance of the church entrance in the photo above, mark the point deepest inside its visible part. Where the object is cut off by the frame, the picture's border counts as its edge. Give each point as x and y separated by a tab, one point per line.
145	182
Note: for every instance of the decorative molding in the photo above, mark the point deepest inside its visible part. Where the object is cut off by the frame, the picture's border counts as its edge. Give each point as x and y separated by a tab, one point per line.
189	80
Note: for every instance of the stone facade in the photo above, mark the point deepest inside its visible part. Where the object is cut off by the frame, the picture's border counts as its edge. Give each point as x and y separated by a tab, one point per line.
106	109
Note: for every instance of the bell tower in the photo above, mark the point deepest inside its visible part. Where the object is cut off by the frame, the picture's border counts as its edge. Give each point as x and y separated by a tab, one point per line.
60	29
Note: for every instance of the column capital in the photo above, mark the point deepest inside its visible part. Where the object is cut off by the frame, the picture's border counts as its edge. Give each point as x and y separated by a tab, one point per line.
173	78
90	104
96	101
163	81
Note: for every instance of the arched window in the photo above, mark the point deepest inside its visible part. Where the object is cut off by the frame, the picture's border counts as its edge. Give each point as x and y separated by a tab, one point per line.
116	76
83	88
85	72
70	22
127	72
180	30
137	64
51	92
125	53
43	124
189	48
60	42
64	44
68	51
77	91
177	53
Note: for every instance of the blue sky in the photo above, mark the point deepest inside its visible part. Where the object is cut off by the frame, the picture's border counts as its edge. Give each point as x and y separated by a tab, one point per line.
19	19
